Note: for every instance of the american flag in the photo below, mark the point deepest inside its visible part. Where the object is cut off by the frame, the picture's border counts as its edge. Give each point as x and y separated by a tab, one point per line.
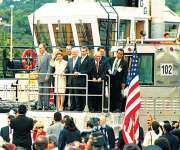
130	127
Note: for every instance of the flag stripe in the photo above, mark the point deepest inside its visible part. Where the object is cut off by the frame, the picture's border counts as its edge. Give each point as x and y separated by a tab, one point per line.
130	128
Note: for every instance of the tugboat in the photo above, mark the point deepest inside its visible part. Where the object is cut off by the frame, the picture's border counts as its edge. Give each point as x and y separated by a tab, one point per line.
119	24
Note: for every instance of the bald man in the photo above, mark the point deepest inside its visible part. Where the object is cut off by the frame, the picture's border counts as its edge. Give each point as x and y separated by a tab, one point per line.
98	74
108	132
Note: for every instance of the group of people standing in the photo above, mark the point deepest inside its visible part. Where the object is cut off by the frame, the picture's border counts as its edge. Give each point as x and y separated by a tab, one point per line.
69	77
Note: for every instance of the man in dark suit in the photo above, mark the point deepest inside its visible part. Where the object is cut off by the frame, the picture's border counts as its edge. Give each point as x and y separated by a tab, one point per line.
22	127
68	53
73	68
118	75
6	131
97	74
84	68
44	70
67	57
104	58
108	132
173	140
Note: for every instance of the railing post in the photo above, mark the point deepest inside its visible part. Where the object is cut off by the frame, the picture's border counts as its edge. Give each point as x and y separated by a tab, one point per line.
86	109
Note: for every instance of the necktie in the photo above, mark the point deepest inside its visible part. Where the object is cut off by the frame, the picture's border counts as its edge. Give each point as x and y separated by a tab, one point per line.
115	67
41	56
74	61
97	66
82	60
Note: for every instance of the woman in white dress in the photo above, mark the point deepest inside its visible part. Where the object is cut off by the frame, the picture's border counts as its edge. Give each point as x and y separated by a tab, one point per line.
60	79
153	134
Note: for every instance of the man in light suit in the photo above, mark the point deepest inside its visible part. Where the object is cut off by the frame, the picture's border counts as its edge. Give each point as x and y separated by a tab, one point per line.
43	69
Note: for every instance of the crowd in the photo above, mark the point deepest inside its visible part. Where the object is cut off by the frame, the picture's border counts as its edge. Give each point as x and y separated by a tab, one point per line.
24	133
52	70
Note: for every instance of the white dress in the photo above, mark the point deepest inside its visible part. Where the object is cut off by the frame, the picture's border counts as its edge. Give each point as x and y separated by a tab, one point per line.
150	138
60	79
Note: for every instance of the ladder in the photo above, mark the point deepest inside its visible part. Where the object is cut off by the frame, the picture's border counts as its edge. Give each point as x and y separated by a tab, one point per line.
109	9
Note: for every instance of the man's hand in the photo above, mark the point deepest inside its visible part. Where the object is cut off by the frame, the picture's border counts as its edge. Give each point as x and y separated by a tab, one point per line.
35	75
99	79
94	80
76	73
46	78
123	85
110	72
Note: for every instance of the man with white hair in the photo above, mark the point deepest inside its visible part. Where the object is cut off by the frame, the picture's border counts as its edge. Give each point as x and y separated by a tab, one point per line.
73	68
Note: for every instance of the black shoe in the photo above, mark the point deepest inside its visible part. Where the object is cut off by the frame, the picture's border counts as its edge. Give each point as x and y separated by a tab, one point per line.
117	111
39	108
71	109
46	108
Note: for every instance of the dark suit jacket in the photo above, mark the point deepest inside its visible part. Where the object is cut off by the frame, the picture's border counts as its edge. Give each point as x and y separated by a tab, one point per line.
120	76
22	127
5	133
101	72
67	136
84	68
70	69
106	61
173	140
111	136
176	132
86	65
65	57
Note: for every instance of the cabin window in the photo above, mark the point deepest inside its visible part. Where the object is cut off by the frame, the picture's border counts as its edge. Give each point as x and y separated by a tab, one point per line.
172	29
146	68
42	34
107	33
63	34
128	3
124	29
84	32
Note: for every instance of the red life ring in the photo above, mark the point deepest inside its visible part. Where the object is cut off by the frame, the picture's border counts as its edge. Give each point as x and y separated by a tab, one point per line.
29	59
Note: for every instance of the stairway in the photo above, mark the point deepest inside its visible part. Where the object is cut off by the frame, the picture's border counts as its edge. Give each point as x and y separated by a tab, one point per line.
112	13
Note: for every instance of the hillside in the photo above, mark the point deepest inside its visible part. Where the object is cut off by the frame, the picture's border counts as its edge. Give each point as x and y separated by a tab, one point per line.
22	8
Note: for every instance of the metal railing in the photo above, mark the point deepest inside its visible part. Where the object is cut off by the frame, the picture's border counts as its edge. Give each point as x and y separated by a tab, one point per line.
28	86
27	89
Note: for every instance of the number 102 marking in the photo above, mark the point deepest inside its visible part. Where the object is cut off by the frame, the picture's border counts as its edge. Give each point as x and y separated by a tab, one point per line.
166	69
